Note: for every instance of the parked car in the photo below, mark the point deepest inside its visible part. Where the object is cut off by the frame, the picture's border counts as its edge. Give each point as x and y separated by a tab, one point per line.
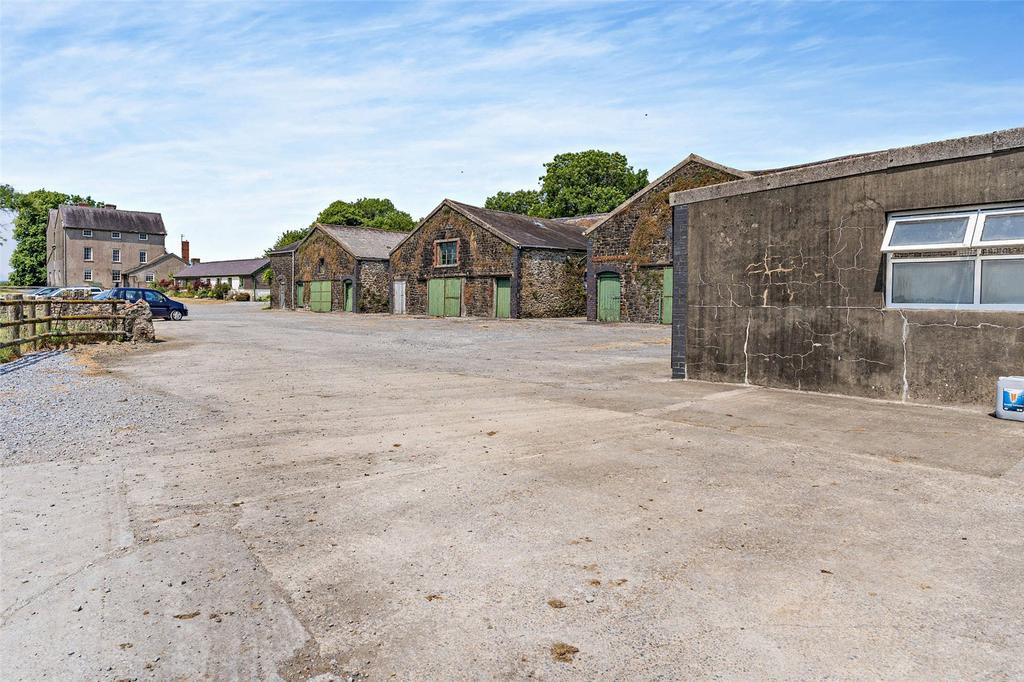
160	305
44	291
62	292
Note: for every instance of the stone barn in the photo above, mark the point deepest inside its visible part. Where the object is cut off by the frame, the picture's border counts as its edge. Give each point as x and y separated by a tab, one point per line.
629	253
334	268
896	274
462	260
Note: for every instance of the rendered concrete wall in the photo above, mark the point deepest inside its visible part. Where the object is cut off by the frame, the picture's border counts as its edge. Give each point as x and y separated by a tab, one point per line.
785	287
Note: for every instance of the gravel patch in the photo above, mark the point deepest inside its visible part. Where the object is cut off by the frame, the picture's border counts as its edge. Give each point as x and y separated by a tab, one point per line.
55	410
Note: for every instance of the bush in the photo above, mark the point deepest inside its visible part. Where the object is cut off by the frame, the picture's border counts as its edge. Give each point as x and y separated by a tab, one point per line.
242	296
263	299
221	290
183	293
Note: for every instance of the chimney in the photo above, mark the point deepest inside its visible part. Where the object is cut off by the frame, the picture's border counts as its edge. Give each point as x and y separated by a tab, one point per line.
184	250
195	261
114	206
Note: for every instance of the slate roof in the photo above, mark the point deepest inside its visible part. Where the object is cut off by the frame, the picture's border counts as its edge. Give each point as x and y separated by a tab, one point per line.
111	219
584	221
224	268
287	248
153	263
522	230
365	242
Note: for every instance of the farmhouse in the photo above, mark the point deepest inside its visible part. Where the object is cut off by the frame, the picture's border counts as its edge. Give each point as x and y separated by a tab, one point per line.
95	245
335	267
894	274
629	253
241	275
163	268
465	260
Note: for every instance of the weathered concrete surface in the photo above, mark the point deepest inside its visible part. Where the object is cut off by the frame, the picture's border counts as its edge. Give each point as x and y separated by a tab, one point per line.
402	496
786	288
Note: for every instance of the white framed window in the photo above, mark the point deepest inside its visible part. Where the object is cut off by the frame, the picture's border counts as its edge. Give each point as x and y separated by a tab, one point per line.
150	278
115	276
115	255
142	257
143	237
87	253
87	275
115	235
86	233
964	258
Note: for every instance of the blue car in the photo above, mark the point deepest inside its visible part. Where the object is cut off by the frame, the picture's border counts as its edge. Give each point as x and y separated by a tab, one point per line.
160	305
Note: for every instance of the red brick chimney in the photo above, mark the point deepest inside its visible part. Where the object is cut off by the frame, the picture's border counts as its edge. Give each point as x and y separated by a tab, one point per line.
184	250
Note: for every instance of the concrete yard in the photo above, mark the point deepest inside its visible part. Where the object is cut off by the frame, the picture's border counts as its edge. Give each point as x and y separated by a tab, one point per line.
360	497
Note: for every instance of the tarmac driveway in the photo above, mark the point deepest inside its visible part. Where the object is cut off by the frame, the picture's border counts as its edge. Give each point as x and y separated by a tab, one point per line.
367	497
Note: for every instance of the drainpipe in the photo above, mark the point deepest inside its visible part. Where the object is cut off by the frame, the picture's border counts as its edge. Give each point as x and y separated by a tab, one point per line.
355	285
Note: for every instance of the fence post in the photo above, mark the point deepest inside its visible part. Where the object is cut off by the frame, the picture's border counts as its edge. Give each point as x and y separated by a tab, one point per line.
16	317
46	325
30	313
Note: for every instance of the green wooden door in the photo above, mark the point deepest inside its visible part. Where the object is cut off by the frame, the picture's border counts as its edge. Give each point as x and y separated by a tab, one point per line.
452	297
348	297
666	296
609	292
435	297
503	297
299	291
320	297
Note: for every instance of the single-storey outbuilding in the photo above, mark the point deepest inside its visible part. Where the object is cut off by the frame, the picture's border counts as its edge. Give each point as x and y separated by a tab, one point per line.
241	275
896	274
335	267
629	251
463	260
163	269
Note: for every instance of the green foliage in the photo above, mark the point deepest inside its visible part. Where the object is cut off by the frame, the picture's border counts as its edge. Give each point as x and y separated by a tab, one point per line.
367	212
287	237
523	201
576	183
28	262
9	197
221	290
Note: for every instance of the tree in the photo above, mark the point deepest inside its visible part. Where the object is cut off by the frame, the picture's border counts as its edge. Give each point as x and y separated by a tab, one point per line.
576	183
9	197
28	262
367	212
524	201
287	237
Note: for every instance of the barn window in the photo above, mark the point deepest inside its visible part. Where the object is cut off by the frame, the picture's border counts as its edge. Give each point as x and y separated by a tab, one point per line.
446	253
320	267
963	258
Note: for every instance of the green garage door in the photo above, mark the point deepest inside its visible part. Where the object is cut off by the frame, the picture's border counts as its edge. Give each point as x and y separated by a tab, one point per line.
609	292
299	289
503	297
444	297
320	297
666	296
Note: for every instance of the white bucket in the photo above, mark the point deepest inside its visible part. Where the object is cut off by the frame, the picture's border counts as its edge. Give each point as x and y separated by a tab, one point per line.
1010	398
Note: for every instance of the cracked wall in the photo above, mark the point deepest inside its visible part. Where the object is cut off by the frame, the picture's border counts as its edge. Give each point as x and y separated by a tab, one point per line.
786	287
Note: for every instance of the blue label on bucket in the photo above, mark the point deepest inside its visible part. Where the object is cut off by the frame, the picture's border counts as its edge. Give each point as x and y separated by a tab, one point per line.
1013	400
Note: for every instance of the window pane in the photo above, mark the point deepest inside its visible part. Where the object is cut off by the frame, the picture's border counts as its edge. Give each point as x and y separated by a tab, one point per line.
1004	226
933	282
929	231
1002	281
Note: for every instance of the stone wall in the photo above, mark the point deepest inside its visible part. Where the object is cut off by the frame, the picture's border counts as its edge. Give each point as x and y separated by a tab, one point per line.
552	284
321	258
482	257
786	287
374	286
282	286
636	243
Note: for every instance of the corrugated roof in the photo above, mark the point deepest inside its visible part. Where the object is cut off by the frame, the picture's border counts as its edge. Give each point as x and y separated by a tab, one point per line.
527	231
112	219
365	242
224	268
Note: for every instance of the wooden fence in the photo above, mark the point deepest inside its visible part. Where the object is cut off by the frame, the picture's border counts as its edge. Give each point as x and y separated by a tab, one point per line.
36	314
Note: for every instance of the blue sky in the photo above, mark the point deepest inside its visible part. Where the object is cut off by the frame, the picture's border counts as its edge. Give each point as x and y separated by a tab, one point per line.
239	120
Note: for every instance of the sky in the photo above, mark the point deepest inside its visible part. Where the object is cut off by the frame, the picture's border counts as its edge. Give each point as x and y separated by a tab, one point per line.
239	120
